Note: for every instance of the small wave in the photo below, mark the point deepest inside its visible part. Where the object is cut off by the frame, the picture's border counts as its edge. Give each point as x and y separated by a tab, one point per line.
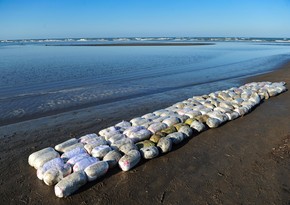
69	39
102	40
82	39
144	39
52	40
256	40
193	39
282	41
17	113
121	39
180	39
163	39
7	41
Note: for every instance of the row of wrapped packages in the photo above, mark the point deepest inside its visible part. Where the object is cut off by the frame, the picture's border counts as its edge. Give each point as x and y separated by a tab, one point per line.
73	163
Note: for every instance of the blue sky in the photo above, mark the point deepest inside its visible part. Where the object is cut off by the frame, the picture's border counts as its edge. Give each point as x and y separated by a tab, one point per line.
127	18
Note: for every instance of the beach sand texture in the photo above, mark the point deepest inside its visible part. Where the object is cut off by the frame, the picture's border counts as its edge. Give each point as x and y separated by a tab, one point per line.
245	161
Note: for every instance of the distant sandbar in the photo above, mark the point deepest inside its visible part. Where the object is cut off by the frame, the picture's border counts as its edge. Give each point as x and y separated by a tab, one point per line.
137	44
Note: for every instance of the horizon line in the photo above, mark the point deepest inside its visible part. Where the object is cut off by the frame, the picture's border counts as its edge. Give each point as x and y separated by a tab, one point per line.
143	37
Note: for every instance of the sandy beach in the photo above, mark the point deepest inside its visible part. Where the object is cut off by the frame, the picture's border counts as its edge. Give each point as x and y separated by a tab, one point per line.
245	161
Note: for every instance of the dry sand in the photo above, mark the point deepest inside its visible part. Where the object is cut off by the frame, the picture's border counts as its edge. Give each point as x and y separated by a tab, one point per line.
246	161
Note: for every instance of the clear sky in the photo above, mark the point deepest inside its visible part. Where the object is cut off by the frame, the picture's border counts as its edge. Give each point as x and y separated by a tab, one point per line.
140	18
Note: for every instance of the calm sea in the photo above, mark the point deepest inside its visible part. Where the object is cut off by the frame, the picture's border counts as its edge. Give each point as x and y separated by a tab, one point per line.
38	80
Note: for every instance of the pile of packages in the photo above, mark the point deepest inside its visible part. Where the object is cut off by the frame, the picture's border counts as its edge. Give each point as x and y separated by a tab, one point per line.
73	163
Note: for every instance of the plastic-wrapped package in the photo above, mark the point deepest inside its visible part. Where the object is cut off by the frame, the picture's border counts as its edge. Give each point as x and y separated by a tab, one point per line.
157	126
147	124
198	126
218	115
165	144
84	163
241	111
116	145
169	130
213	122
108	135
123	125
189	121
97	139
72	147
136	119
205	110
140	135
167	113
246	94
226	104
42	159
116	137
140	121
70	184
209	105
255	98
202	118
149	116
149	152
130	130
60	147
233	115
72	153
263	93
187	131
96	170
197	108
171	121
176	137
182	118
223	95
130	160
145	143
54	175
183	111
179	125
155	138
56	162
72	161
280	88
101	151
112	158
94	143
160	119
159	112
84	139
37	154
126	148
107	130
193	113
222	110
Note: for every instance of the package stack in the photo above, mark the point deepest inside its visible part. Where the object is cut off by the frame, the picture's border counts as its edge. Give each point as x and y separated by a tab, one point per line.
73	163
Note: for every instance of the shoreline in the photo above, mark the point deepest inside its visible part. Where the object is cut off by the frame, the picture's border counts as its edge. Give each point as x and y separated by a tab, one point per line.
239	162
78	108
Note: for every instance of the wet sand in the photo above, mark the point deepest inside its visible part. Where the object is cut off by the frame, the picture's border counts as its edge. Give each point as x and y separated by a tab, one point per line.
245	161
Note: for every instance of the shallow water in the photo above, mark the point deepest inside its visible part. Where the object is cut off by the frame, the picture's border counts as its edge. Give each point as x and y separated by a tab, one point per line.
37	80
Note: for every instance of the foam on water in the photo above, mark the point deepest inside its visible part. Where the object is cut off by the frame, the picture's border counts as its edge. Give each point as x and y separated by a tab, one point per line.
136	39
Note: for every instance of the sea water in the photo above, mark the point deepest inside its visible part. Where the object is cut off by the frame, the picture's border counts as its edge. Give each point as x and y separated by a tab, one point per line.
38	80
